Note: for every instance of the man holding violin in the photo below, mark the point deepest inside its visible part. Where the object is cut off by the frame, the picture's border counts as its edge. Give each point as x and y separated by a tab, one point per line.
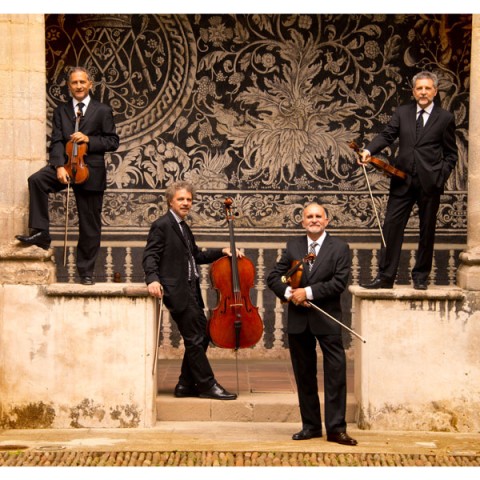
95	135
428	154
321	283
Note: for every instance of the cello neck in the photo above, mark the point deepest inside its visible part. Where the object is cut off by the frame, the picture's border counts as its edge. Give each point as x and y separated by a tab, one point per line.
233	249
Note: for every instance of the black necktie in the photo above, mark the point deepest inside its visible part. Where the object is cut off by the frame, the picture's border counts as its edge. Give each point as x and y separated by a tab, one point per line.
419	126
191	261
80	106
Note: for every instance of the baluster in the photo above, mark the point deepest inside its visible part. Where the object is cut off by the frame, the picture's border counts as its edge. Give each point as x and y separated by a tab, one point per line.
71	267
452	270
278	323
260	288
411	263
109	265
355	267
433	276
374	264
205	283
166	334
128	265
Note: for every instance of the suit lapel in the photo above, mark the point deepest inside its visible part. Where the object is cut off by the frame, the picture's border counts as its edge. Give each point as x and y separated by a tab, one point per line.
412	122
92	106
176	228
431	120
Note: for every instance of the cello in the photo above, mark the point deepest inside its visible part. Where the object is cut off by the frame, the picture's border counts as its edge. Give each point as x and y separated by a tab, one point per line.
235	321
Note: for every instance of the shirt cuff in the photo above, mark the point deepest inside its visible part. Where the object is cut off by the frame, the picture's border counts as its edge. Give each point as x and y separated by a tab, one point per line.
308	293
288	293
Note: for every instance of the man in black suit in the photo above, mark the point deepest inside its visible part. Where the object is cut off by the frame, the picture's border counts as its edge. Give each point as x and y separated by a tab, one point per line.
322	283
170	263
97	130
428	154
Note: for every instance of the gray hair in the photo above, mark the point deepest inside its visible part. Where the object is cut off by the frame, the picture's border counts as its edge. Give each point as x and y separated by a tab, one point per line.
78	69
174	187
425	74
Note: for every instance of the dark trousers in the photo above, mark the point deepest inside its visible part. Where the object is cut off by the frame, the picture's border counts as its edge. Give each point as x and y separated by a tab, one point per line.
192	324
89	206
398	212
303	354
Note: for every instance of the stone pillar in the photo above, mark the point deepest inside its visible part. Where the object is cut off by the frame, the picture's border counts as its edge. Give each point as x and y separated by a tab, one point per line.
468	276
23	139
22	115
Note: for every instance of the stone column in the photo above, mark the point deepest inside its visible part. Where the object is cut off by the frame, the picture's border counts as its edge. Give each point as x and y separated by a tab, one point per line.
23	137
22	115
468	276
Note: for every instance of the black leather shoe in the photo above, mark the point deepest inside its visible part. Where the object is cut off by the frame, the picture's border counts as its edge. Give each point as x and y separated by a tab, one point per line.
420	286
185	391
87	280
306	434
217	392
342	438
40	239
378	283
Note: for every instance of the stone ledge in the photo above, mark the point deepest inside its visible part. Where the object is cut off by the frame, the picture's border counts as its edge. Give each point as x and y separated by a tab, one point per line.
470	257
248	407
97	290
15	251
400	292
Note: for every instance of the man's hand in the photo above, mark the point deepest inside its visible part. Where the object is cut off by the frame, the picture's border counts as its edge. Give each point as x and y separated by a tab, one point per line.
62	175
79	137
227	251
155	289
365	157
299	296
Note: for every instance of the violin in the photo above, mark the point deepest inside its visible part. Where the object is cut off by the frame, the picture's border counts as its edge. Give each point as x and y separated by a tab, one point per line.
76	167
294	275
380	165
235	321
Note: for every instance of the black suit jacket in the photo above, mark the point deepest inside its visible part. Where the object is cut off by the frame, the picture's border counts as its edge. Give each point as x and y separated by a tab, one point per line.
165	259
99	125
434	153
328	279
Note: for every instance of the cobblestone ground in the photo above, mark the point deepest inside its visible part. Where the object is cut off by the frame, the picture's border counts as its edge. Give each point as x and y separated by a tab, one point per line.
235	459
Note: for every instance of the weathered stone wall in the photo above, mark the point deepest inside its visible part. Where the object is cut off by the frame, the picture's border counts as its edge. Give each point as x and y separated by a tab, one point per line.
70	358
420	367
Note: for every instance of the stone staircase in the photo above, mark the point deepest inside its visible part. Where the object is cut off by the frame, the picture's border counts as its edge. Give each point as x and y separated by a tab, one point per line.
267	393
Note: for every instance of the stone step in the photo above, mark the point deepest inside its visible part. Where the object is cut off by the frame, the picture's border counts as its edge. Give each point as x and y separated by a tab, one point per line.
248	407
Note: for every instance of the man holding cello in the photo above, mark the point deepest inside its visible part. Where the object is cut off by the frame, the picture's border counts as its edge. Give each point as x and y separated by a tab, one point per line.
95	135
170	263
324	276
